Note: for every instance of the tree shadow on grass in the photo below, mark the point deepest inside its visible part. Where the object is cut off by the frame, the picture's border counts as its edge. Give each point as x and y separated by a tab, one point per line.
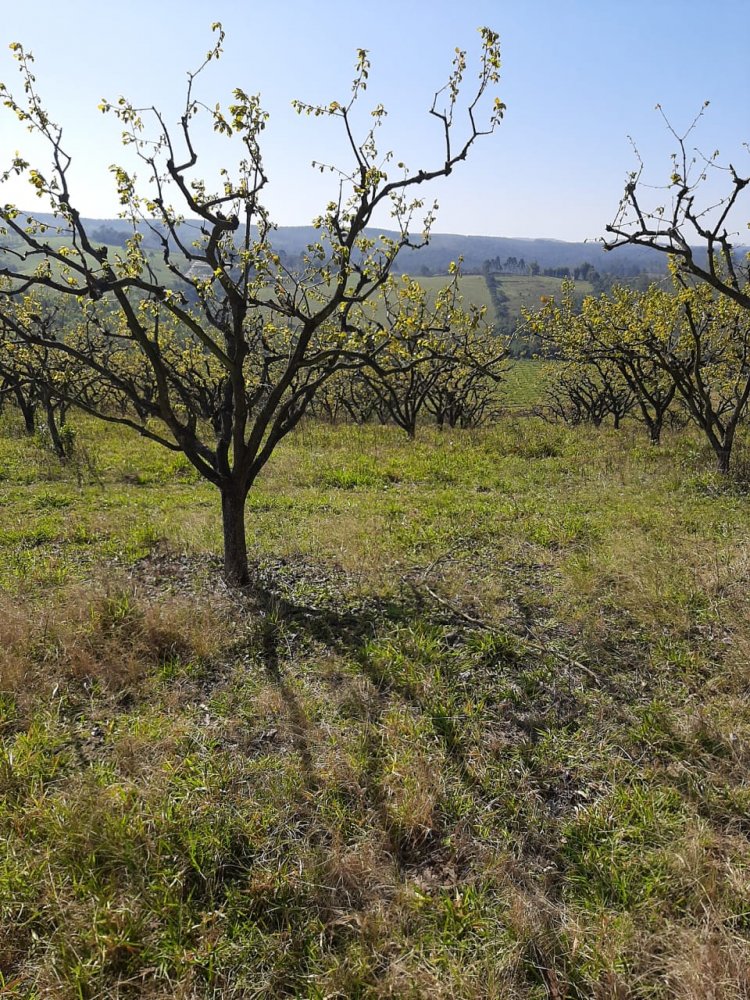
288	625
345	632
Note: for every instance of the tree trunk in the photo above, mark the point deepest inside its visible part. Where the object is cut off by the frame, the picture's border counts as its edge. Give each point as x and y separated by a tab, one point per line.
236	570
27	409
723	454
57	442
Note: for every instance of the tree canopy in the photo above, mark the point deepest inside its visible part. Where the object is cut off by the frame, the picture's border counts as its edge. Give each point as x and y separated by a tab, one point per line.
221	359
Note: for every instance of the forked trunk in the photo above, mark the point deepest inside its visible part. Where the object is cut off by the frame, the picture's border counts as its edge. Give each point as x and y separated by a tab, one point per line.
722	459
54	433
236	570
27	409
654	432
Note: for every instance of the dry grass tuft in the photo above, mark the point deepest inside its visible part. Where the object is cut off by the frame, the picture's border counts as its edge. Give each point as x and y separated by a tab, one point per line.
104	633
706	964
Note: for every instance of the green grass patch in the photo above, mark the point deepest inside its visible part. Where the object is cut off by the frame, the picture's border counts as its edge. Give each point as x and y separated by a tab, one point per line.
480	729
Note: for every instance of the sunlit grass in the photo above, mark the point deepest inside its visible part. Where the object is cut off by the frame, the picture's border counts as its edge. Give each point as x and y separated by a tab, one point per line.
480	730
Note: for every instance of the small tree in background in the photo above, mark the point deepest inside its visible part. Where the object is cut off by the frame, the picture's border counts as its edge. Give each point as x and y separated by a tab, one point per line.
37	377
612	332
706	352
579	392
431	355
688	343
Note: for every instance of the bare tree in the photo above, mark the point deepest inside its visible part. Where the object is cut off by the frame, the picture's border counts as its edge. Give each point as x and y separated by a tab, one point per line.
589	391
468	393
37	377
615	332
703	345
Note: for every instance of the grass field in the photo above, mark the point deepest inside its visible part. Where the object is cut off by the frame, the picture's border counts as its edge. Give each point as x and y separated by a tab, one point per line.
523	388
473	288
523	291
481	728
154	257
526	291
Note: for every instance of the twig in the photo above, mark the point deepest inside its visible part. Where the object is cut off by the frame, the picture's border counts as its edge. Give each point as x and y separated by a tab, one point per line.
541	648
532	644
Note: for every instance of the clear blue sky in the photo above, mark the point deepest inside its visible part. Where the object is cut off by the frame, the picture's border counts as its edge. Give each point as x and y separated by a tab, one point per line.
578	78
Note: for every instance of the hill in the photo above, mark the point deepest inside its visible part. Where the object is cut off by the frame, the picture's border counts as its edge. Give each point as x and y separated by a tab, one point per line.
485	281
291	241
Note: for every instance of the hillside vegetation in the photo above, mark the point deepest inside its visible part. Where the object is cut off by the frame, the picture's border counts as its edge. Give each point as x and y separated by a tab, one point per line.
479	730
291	242
522	291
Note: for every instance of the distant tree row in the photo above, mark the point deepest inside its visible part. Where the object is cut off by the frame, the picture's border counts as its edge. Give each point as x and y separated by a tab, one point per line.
650	353
581	272
425	359
440	364
511	265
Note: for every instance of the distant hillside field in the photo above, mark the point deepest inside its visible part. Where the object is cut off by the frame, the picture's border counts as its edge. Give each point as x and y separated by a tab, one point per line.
522	291
527	291
154	257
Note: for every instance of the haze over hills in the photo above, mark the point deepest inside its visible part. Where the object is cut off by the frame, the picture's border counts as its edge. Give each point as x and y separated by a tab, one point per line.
476	251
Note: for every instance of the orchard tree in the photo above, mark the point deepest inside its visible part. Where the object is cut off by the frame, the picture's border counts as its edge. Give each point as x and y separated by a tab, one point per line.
15	387
614	332
687	342
430	354
346	395
707	353
36	376
409	349
618	327
694	228
701	339
221	361
584	392
587	392
468	392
